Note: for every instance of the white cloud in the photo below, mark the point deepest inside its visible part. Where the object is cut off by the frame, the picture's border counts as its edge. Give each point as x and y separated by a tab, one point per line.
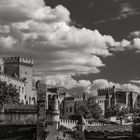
127	9
125	43
59	13
7	42
39	30
17	11
135	81
136	43
134	34
101	83
32	29
79	87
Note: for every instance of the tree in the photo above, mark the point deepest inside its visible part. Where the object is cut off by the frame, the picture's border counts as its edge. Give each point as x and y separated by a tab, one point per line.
89	109
8	94
83	110
116	110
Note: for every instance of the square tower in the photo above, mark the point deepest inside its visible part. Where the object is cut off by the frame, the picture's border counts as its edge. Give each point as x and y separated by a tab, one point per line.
21	68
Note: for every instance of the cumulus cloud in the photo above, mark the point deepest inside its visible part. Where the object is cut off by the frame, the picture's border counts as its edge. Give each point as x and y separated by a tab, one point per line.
17	11
32	29
137	43
78	87
134	34
7	42
135	81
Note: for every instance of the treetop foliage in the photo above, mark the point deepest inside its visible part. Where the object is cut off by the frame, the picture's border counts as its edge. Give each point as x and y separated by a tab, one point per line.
8	94
89	109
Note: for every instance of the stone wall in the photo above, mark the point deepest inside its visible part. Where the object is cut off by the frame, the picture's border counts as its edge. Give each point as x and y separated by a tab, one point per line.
19	114
68	123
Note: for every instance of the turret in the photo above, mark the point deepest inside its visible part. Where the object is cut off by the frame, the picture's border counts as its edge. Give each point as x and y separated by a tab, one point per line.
41	116
53	112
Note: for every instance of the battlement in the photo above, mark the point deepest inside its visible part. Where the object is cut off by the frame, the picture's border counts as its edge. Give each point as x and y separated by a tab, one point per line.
104	91
73	98
52	96
78	98
18	59
68	123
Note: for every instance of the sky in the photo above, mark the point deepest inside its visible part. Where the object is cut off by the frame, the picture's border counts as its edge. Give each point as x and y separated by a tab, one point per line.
82	45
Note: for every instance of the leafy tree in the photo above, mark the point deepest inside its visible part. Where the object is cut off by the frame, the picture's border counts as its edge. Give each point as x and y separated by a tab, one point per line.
89	109
94	108
8	94
83	110
116	110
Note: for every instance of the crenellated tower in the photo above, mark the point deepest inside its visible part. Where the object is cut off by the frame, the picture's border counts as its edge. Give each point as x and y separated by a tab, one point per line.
53	112
20	68
52	116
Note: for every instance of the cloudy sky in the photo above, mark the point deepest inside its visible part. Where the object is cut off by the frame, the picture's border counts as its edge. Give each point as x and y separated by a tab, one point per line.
79	44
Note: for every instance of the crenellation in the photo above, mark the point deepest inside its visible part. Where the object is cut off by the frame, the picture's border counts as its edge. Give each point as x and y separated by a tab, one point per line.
11	59
18	59
68	122
26	60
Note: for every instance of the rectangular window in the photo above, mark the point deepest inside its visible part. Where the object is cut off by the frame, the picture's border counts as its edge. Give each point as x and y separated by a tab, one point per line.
70	109
67	109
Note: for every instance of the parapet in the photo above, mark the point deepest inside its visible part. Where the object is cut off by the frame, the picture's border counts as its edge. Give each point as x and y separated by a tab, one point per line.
104	91
68	121
78	98
18	59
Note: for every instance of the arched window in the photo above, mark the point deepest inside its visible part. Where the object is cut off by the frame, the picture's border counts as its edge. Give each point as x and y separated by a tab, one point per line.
33	99
26	102
19	88
22	89
29	100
